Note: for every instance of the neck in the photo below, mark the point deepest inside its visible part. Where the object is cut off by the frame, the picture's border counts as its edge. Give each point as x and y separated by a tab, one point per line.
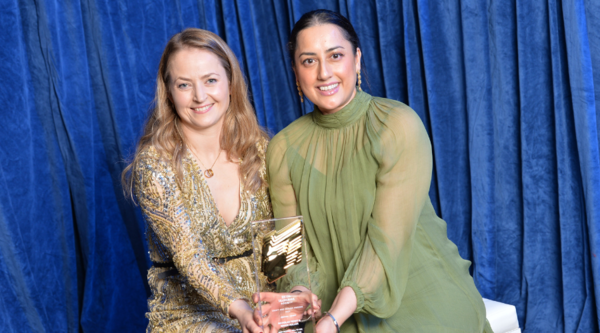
206	144
341	107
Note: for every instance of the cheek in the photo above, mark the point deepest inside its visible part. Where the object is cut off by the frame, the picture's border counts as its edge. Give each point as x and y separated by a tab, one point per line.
223	94
347	69
180	99
306	76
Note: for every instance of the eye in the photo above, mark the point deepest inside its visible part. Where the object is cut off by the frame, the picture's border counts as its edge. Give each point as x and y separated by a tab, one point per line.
308	61
183	85
211	81
337	56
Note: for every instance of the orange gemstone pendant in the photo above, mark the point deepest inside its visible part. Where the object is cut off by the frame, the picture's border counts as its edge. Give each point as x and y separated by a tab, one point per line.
208	173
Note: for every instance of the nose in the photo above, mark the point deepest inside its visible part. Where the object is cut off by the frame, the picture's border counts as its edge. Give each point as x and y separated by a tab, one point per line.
324	71
199	93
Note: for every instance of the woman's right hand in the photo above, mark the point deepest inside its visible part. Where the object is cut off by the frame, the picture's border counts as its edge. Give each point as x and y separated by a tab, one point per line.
243	313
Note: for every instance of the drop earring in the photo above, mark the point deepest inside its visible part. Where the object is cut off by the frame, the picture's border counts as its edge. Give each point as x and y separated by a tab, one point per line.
358	82
300	92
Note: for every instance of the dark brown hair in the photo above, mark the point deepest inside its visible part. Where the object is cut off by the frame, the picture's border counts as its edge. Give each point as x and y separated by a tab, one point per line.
322	16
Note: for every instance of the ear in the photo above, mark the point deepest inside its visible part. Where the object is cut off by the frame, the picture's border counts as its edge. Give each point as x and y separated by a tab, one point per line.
295	73
357	59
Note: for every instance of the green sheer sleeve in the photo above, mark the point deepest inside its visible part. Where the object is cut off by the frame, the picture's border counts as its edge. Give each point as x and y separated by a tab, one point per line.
378	272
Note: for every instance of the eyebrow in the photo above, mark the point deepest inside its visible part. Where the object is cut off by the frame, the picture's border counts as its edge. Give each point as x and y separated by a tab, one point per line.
327	51
203	77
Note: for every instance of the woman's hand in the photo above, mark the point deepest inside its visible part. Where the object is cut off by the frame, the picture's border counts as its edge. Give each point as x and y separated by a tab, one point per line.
342	308
281	308
241	311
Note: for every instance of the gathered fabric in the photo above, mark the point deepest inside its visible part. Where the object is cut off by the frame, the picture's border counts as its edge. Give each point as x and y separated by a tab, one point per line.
360	178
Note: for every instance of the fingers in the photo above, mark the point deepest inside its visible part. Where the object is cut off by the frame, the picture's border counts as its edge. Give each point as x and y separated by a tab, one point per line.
266	297
263	317
274	328
251	327
257	317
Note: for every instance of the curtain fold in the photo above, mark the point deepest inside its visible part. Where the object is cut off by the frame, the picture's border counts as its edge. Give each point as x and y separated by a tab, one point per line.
509	92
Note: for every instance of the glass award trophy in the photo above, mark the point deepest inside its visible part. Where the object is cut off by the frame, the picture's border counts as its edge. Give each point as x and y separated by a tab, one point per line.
279	248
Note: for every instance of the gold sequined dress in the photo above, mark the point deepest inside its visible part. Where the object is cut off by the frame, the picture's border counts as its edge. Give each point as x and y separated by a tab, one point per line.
185	228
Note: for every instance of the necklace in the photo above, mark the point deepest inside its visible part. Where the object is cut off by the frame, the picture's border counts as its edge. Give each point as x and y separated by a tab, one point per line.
208	173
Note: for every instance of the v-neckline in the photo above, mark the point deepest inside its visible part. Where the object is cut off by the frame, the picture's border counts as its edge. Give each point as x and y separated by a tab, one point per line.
199	171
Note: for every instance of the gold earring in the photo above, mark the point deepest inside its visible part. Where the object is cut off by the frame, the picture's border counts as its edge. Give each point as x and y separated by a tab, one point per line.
358	83
300	92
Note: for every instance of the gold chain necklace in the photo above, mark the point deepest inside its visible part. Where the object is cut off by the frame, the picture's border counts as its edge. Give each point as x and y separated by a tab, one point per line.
208	173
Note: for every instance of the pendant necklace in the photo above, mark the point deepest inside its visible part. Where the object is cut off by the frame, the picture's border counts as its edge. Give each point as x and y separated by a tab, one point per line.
208	173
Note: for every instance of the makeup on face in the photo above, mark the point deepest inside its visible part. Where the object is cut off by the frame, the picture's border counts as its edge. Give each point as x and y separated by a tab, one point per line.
199	89
326	67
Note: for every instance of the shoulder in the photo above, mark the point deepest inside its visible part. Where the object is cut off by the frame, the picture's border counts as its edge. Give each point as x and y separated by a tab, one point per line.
396	117
393	127
150	161
149	155
287	136
395	111
262	145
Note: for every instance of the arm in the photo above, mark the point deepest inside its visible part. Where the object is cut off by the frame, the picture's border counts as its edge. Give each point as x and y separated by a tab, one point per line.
377	275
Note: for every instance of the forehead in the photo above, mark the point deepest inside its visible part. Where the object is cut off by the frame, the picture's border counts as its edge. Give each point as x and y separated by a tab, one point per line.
194	61
320	38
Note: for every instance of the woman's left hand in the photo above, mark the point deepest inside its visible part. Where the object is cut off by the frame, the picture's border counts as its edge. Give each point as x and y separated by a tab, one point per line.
244	314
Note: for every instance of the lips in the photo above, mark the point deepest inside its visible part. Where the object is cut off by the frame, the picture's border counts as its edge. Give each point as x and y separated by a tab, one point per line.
202	109
330	89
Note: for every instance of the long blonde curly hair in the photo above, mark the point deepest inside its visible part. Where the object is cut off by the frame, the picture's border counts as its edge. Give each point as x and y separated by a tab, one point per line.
240	133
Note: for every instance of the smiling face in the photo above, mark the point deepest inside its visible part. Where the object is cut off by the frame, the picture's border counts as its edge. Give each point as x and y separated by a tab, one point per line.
326	67
199	89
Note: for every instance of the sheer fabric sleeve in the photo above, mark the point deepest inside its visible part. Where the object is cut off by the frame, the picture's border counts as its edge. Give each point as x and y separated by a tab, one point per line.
162	205
378	272
283	201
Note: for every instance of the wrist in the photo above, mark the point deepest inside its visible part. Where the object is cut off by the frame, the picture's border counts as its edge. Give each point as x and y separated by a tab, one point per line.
238	308
343	305
335	322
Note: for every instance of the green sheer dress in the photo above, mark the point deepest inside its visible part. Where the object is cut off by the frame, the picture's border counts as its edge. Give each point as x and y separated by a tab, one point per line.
361	177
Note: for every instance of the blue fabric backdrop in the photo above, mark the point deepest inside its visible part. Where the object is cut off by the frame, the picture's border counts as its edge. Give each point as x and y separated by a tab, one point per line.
508	90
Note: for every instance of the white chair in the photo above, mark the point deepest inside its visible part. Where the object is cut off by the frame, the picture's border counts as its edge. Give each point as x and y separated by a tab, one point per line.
502	317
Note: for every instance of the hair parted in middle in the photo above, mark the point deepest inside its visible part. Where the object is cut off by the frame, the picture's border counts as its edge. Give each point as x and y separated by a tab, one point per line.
322	16
240	132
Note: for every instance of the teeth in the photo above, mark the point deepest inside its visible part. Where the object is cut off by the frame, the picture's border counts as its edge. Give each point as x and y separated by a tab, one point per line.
329	87
204	108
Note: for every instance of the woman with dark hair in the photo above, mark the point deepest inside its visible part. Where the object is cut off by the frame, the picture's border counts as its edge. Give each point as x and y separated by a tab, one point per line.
199	176
358	168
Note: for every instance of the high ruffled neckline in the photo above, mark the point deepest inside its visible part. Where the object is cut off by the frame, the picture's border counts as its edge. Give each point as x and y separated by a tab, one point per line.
347	115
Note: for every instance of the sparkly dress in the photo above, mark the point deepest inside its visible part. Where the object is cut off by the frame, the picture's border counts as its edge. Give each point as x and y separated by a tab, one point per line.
185	228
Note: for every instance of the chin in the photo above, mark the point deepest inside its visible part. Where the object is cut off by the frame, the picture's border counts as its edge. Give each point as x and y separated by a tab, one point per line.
328	107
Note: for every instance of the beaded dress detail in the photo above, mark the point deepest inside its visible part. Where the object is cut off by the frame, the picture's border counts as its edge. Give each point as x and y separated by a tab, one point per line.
184	227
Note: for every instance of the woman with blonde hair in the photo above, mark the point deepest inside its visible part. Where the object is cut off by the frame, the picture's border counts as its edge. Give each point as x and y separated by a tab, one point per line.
198	175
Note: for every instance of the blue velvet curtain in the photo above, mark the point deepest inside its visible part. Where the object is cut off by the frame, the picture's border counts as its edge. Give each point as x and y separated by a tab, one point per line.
509	92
